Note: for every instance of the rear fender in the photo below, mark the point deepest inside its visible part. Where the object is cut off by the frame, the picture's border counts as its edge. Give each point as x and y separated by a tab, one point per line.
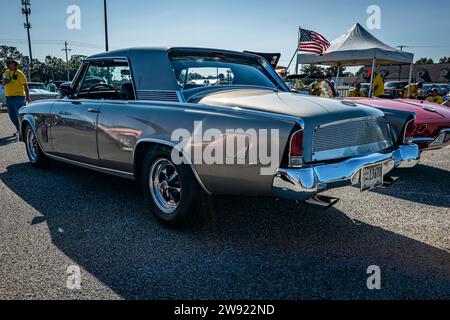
398	119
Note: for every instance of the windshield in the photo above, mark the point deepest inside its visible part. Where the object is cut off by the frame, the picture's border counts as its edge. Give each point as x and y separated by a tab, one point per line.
396	85
39	86
208	70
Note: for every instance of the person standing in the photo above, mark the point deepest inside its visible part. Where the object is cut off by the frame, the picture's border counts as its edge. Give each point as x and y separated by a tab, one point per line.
16	90
356	93
435	97
327	89
378	85
53	88
414	90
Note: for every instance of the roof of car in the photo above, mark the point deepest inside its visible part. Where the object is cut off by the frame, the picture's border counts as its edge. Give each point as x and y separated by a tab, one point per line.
146	50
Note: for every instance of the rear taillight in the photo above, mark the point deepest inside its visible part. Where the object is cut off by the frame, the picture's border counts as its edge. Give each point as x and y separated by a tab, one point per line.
409	132
296	149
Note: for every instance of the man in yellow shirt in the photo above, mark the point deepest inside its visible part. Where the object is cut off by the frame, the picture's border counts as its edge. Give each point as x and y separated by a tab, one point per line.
16	90
378	85
435	98
356	93
414	90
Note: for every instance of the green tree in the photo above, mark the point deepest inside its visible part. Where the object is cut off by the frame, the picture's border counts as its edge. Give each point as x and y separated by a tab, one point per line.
333	71
8	52
74	63
312	70
444	60
361	71
425	61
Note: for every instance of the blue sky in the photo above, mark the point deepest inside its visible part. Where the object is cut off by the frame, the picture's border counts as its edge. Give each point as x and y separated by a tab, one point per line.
233	24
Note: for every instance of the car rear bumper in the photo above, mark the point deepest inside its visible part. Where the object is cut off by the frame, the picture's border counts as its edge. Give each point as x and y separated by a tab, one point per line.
440	141
303	183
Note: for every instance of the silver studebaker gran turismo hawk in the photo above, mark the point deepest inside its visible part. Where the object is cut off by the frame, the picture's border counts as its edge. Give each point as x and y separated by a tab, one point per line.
120	112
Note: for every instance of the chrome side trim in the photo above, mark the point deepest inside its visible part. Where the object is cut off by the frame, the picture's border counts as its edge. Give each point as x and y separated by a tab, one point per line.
346	121
158	95
117	173
175	146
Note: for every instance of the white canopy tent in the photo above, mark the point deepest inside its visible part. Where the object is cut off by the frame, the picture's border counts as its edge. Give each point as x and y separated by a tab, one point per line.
358	47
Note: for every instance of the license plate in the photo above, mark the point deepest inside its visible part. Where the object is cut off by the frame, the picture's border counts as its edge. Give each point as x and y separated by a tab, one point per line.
440	139
371	177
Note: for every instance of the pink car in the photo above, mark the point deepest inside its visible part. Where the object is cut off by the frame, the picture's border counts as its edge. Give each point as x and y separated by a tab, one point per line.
431	129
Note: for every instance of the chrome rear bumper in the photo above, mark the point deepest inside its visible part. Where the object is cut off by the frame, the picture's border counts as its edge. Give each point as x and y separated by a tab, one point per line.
303	183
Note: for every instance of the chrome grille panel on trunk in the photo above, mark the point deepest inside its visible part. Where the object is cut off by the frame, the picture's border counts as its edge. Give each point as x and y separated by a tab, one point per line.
349	138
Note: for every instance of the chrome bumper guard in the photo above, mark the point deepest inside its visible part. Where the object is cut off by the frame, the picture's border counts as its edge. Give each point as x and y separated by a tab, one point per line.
303	183
442	140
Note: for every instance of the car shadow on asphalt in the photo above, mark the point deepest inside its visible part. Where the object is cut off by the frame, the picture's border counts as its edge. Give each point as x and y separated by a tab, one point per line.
7	140
421	184
247	248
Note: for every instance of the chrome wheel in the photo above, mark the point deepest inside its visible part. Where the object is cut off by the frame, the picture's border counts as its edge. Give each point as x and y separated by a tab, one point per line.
165	185
32	146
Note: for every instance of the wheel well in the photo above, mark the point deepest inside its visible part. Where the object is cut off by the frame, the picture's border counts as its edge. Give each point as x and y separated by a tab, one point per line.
141	152
24	125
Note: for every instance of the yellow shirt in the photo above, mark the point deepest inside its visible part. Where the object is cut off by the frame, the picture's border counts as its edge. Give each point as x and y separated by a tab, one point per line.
378	81
14	88
353	94
299	85
437	99
412	91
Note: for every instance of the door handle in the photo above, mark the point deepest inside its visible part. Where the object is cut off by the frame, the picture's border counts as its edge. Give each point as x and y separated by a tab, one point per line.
92	110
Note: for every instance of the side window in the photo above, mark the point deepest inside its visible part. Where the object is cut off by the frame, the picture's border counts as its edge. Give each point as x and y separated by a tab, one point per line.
107	80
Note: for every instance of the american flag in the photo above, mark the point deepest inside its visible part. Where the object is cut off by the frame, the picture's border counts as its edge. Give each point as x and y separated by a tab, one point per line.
313	42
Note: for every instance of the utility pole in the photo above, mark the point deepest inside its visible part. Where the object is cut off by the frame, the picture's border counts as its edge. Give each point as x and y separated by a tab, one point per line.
67	58
400	67
106	25
27	11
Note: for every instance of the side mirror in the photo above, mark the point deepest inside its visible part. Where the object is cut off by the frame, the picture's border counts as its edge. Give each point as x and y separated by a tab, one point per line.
66	89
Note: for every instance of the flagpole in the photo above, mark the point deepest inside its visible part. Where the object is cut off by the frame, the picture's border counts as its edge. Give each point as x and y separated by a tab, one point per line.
293	57
298	43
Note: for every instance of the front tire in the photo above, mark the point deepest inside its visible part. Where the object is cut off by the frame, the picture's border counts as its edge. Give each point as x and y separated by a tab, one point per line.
35	154
171	190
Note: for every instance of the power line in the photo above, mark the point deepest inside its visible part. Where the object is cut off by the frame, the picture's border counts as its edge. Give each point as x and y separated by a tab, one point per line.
56	43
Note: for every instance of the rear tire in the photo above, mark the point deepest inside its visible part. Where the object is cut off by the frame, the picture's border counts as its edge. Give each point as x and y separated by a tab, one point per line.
35	154
171	190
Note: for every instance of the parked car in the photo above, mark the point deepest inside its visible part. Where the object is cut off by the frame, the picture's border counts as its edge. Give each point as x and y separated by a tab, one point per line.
428	87
149	123
2	99
443	89
431	129
394	88
364	88
38	91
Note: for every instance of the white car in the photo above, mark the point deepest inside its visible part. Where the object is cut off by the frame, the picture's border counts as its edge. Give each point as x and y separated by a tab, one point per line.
38	91
2	99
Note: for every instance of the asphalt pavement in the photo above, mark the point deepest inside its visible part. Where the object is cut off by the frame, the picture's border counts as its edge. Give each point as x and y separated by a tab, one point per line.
247	248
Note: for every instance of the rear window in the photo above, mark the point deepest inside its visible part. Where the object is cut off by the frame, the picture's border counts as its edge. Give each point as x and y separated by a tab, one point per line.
195	71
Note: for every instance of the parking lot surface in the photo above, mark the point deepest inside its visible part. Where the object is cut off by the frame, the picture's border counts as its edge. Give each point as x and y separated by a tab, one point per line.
247	248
